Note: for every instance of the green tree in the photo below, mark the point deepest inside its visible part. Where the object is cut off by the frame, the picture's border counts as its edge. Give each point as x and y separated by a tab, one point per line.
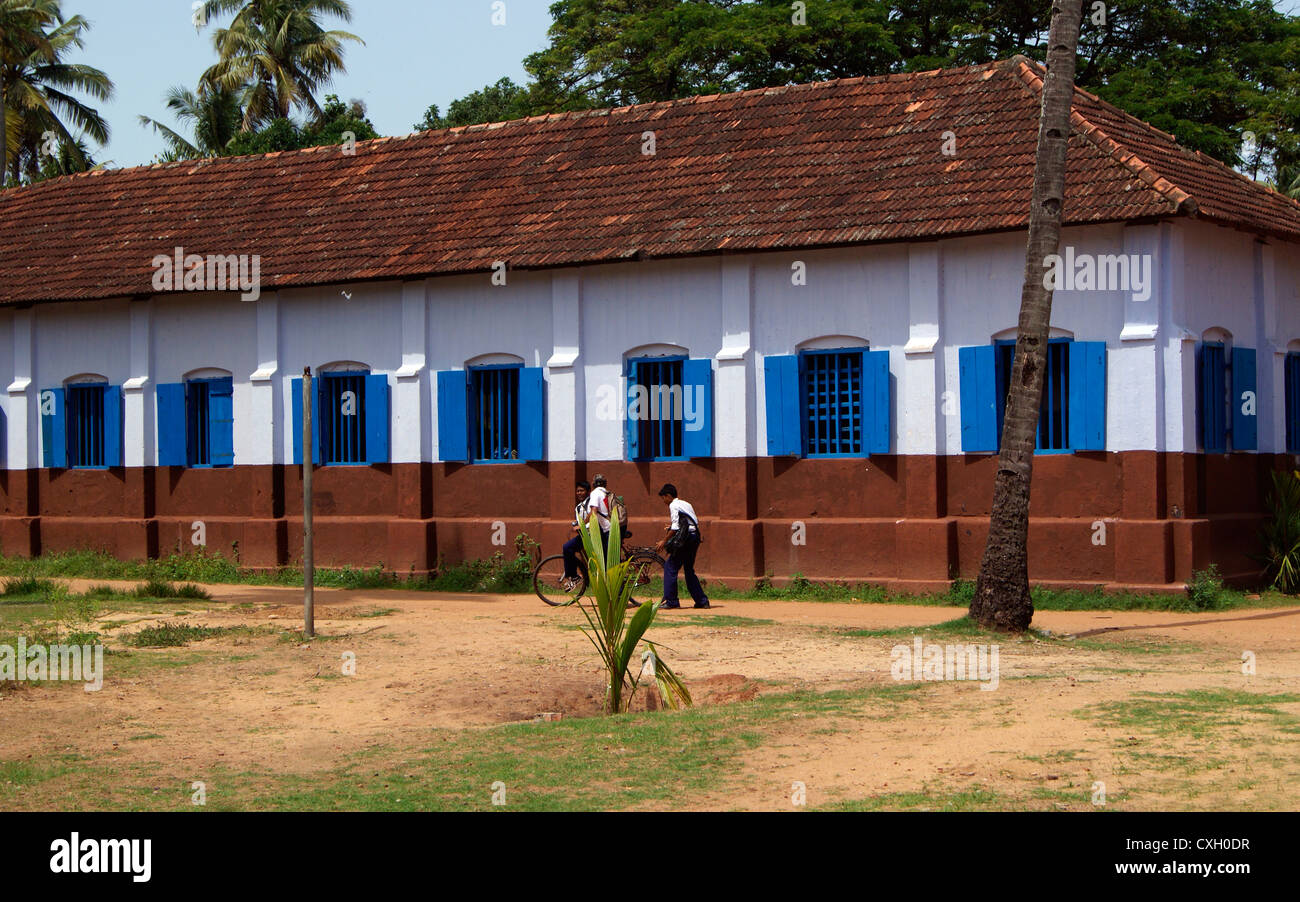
67	160
336	119
38	86
277	54
22	39
498	102
618	52
1204	70
213	113
286	134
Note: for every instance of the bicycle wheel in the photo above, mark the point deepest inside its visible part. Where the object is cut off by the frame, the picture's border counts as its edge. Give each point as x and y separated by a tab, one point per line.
546	582
643	567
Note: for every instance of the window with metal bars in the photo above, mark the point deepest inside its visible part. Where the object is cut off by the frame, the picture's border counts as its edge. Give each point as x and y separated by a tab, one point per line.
1054	410
342	414
494	412
198	423
832	392
656	389
1212	396
85	423
1293	402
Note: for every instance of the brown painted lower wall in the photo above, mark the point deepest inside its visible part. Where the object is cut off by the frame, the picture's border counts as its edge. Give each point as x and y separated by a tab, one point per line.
1131	518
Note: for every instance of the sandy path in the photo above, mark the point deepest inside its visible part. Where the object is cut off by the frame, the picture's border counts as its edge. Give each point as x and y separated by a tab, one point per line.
430	660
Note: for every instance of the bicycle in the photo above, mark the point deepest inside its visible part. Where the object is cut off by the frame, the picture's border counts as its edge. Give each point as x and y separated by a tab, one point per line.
548	575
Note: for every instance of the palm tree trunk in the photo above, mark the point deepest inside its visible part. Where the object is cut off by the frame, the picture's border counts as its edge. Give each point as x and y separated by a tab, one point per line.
1002	591
4	132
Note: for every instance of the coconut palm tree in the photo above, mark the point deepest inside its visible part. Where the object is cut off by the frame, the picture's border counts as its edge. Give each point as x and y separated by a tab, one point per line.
214	113
1002	590
277	52
22	36
1288	181
37	86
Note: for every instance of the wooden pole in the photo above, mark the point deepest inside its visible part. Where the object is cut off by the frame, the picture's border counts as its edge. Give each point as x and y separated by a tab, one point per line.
308	563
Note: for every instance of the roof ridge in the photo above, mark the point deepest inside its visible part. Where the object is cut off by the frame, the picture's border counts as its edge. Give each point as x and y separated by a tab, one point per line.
705	98
1179	200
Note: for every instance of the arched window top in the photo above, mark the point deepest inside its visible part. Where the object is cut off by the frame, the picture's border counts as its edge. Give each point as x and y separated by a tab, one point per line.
344	366
658	349
1013	333
831	342
86	379
495	360
207	372
1217	333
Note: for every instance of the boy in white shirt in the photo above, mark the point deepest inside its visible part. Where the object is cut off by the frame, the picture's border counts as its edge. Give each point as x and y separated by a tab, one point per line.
599	502
682	512
574	545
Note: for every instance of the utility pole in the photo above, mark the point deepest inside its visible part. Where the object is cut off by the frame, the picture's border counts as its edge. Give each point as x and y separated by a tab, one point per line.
308	563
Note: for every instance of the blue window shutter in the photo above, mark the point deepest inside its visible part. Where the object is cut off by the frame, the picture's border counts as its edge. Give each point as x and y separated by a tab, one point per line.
1204	392
697	378
783	405
979	414
453	416
378	417
1210	398
297	390
1245	397
221	422
532	414
877	425
1087	398
631	426
54	429
1292	402
171	425
112	425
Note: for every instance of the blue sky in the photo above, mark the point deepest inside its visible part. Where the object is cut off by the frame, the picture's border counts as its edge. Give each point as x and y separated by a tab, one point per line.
417	52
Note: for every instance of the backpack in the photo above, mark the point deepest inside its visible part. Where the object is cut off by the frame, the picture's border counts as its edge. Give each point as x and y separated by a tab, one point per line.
677	541
621	509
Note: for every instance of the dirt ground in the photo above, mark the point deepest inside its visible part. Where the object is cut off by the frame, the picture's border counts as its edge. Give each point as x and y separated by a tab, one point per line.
471	661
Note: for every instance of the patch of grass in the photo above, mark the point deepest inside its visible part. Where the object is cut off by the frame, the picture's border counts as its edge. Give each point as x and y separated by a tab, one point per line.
1188	764
28	587
663	759
1124	641
1053	757
960	628
975	799
1195	712
718	621
174	635
83	637
1205	591
513	574
156	588
128	664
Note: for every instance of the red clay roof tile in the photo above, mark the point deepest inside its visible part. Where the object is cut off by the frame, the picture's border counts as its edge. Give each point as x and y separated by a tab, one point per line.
844	162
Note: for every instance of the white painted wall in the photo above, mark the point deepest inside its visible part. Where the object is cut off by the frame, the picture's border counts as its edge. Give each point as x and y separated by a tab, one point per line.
217	330
920	301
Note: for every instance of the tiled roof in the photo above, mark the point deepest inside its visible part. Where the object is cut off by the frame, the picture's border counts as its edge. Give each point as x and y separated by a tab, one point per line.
834	163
